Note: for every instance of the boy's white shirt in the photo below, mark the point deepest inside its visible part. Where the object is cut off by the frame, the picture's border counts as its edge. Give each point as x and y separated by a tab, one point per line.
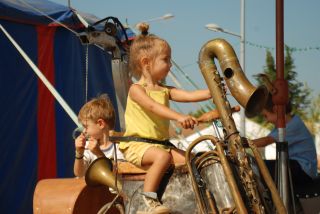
89	157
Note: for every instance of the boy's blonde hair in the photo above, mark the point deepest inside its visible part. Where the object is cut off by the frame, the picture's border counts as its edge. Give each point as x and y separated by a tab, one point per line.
98	108
147	45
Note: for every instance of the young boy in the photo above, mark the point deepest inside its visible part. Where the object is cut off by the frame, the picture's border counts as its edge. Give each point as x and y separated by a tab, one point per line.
98	118
301	147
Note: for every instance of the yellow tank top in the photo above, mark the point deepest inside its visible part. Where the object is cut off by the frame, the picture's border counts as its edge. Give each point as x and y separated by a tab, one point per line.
143	123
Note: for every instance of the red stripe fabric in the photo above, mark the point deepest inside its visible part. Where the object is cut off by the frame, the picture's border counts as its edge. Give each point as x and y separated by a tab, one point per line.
47	158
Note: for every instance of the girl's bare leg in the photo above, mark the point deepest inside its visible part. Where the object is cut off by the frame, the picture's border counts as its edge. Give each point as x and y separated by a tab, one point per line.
159	161
178	156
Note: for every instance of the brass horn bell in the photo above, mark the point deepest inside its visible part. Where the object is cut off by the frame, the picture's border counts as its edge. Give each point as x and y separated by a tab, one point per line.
251	98
100	173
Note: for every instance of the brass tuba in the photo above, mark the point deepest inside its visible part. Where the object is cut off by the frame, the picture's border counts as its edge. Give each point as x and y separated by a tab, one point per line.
230	149
251	98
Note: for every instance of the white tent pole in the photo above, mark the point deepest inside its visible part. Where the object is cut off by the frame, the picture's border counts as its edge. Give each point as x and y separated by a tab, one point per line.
53	91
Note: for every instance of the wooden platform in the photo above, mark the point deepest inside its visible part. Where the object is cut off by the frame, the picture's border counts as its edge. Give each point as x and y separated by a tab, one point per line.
69	195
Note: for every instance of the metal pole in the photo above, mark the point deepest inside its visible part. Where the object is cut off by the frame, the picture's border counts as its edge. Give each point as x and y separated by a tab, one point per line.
282	156
280	99
242	62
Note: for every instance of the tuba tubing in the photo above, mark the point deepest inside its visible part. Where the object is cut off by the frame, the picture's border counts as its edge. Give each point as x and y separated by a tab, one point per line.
281	209
227	170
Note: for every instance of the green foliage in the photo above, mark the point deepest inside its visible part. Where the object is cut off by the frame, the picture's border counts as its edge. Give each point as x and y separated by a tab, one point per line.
313	117
314	112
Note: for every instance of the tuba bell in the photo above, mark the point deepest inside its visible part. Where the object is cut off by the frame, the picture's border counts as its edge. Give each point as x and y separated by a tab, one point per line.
251	98
100	173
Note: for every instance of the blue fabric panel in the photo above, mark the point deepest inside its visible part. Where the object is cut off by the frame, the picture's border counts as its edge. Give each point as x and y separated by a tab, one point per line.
68	82
70	76
27	11
18	133
100	77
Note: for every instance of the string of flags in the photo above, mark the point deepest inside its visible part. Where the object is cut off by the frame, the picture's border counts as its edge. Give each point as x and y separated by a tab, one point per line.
293	49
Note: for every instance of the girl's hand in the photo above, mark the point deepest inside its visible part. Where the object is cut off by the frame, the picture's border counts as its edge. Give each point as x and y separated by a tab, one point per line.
94	147
187	121
80	143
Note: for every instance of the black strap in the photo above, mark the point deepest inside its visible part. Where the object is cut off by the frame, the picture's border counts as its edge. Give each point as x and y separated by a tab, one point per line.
200	182
164	182
140	139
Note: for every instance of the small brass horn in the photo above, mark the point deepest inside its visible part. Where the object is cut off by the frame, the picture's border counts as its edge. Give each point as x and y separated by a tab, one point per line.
100	173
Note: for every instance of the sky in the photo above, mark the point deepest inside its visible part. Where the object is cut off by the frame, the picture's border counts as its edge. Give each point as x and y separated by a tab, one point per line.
186	32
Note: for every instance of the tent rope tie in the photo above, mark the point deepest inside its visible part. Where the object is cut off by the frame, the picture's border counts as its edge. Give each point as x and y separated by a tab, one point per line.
86	71
60	23
49	17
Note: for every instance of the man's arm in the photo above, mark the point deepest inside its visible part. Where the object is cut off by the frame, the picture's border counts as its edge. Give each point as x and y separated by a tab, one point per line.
264	141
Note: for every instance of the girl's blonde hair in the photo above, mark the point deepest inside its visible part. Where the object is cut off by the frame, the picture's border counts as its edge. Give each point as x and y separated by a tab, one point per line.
98	108
145	44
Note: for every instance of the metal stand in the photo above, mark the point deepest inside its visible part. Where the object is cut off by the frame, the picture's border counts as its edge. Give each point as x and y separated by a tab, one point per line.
283	176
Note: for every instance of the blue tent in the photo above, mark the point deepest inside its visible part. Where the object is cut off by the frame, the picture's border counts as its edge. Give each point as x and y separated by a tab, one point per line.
36	139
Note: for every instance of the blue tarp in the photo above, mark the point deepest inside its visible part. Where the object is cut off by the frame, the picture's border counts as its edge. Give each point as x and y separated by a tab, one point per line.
35	12
29	121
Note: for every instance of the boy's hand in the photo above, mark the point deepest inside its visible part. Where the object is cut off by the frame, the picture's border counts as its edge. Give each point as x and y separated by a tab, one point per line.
187	121
80	143
94	147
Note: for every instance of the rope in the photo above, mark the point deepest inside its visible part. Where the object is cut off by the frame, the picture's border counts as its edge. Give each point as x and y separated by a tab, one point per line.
86	72
177	83
52	19
190	81
53	91
60	23
184	74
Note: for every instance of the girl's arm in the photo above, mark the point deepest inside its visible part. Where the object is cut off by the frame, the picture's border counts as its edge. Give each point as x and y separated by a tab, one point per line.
180	95
138	94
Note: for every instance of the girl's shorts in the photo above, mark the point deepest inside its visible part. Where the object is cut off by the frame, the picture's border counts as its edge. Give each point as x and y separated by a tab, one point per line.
134	151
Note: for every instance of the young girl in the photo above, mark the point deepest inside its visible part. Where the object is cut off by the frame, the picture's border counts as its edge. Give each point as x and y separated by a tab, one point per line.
97	117
148	114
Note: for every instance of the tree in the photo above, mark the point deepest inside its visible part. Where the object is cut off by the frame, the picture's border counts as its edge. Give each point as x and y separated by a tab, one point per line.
313	119
299	93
